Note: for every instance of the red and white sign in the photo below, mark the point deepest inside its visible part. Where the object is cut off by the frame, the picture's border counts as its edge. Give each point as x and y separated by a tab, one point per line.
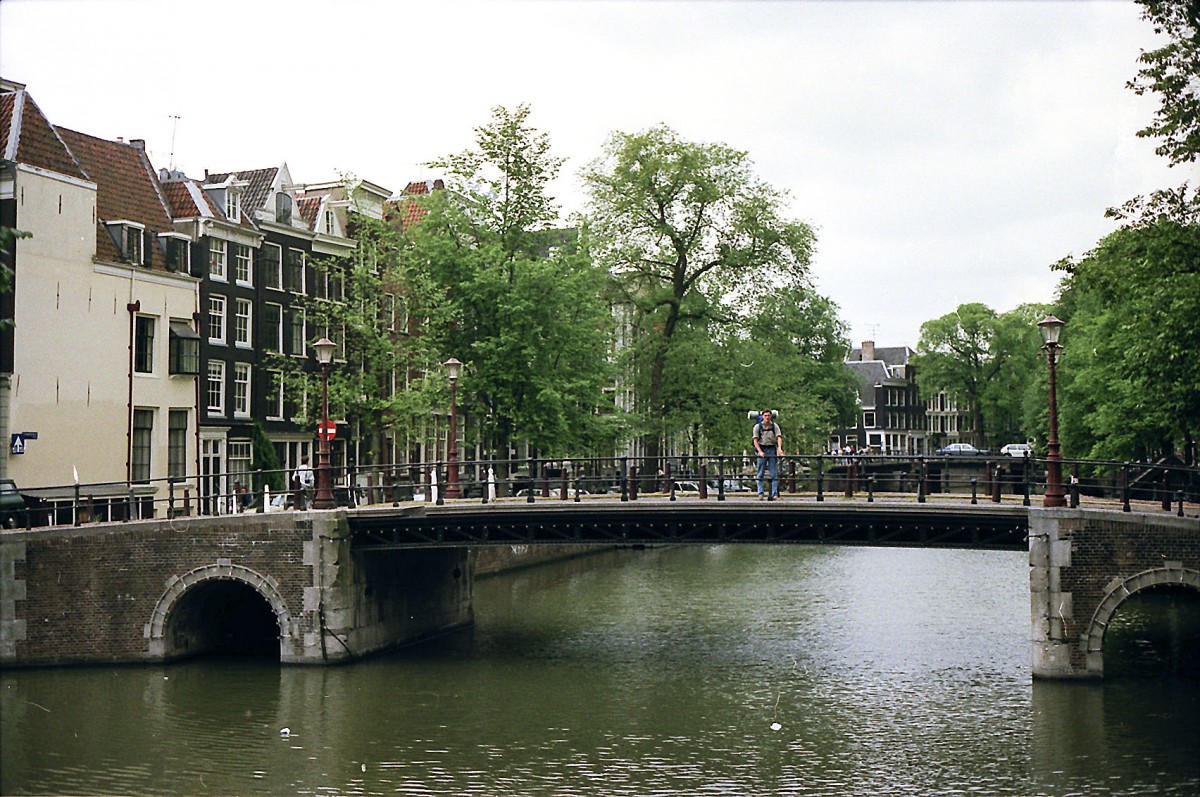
327	430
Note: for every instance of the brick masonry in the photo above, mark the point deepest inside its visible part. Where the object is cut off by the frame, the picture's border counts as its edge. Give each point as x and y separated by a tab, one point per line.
1084	564
104	593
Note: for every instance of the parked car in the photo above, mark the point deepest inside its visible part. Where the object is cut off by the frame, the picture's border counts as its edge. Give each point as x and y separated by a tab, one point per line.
687	487
1017	450
12	504
961	450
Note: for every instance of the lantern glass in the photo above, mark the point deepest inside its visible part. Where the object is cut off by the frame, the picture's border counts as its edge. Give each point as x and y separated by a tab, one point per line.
1051	328
324	349
453	369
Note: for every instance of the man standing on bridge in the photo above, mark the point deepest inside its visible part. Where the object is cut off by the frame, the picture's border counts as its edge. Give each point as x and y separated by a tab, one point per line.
768	442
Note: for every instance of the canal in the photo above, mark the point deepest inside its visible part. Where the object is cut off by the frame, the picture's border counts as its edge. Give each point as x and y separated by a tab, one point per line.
735	670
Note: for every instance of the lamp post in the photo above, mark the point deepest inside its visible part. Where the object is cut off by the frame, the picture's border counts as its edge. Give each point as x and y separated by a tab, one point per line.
324	349
453	368
1055	495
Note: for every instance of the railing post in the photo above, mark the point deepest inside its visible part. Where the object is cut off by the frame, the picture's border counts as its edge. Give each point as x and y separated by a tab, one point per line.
821	476
721	478
577	480
77	519
849	490
974	489
921	480
791	475
562	487
703	480
1166	491
1074	503
1125	487
1179	498
532	480
668	484
441	493
871	489
1026	475
633	482
624	478
997	484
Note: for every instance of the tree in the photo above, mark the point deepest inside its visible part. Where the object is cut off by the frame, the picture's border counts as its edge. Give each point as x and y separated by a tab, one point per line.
690	234
526	307
983	360
1172	72
1131	378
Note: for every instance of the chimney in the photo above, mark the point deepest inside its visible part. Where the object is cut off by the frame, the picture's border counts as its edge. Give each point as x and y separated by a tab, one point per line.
137	143
868	350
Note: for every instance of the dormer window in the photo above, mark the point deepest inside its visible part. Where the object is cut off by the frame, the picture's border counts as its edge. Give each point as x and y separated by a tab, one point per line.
233	204
129	238
176	250
283	208
330	227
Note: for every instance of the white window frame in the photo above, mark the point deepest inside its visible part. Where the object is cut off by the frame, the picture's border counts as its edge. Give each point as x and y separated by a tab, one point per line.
275	338
275	403
265	262
218	309
243	265
218	259
215	388
241	390
243	322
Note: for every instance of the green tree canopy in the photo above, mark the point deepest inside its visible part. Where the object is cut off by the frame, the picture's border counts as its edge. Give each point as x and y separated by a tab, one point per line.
1172	73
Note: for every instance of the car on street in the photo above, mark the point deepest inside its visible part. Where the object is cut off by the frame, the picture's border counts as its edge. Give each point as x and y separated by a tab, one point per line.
12	504
960	450
1017	450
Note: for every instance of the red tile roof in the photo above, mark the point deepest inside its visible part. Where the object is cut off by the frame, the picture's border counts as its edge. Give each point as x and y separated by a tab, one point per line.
27	137
127	189
310	206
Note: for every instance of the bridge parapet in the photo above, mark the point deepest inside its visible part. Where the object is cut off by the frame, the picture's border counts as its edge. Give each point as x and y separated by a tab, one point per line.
1084	563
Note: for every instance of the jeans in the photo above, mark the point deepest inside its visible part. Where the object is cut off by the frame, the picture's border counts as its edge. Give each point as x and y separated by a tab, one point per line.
768	462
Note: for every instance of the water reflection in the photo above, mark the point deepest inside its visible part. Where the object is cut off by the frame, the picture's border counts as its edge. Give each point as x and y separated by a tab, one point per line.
709	671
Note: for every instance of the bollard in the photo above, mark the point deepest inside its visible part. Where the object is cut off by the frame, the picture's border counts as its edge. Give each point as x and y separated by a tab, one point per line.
532	480
624	478
997	484
78	520
1166	494
849	491
441	498
577	479
974	489
871	489
672	490
791	476
633	482
1125	488
545	480
703	480
1179	498
921	480
820	477
721	478
1075	486
562	488
1026	475
668	484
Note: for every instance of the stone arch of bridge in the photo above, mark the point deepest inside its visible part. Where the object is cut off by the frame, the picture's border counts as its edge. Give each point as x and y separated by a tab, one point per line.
1120	590
180	585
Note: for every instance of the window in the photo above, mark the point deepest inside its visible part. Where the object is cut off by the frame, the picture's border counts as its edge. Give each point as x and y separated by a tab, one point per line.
177	435
330	227
216	319
293	274
143	438
283	208
388	311
185	349
241	389
273	327
270	265
241	455
233	205
216	387
297	338
868	419
242	264
241	322
216	259
275	395
176	251
143	344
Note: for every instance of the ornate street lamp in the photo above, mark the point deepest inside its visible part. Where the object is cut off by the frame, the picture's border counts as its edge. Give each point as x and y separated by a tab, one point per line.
1055	495
324	349
453	368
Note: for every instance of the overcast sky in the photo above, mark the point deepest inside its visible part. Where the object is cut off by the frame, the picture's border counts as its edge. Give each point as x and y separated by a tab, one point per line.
947	152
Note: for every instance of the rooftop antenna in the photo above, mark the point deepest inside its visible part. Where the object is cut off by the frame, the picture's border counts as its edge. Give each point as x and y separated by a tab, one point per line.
174	125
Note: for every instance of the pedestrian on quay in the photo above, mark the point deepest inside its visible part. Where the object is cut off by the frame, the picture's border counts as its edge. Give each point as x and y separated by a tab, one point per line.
303	481
768	442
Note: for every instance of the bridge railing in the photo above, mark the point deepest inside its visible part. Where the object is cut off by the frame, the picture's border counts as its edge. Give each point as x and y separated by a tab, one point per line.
823	477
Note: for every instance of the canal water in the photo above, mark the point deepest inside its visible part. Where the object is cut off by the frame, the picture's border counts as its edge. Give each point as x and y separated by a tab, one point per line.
736	670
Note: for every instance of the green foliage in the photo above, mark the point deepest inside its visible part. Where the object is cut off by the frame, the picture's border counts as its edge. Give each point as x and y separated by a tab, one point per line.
1172	72
266	461
982	360
1130	385
697	244
8	247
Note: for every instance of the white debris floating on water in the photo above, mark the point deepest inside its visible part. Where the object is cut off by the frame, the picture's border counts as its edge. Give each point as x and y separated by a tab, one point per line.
775	726
285	732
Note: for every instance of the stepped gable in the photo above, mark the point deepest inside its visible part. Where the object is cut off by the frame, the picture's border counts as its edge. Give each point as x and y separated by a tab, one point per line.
27	137
127	189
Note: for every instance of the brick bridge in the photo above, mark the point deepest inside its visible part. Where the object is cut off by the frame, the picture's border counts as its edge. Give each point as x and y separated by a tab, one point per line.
330	586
